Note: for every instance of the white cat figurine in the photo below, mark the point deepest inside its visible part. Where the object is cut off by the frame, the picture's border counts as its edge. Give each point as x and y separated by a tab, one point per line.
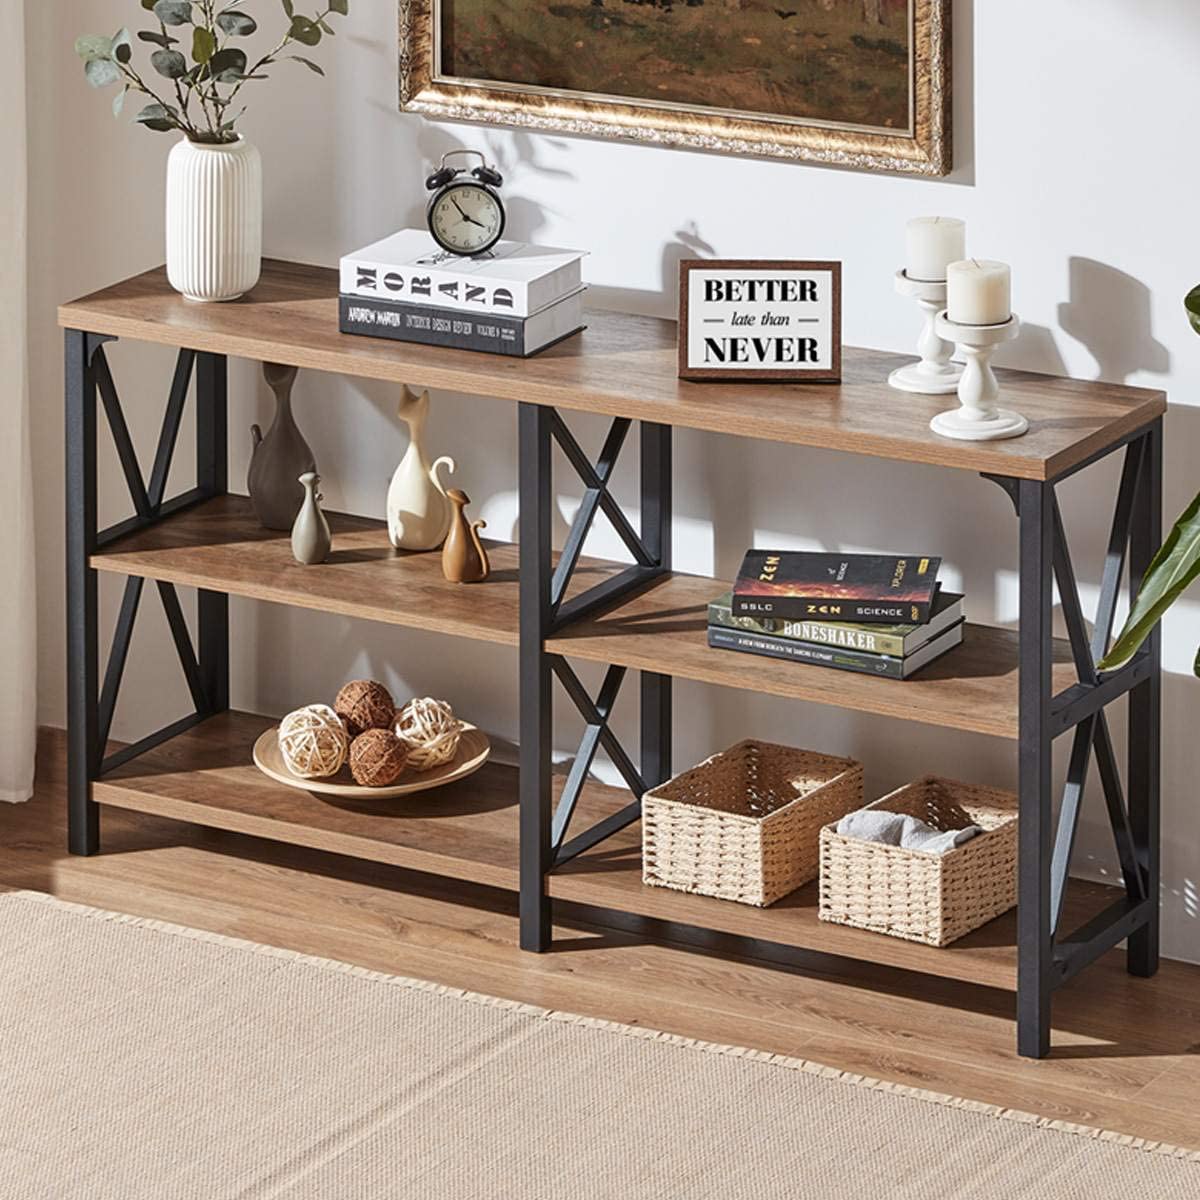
418	513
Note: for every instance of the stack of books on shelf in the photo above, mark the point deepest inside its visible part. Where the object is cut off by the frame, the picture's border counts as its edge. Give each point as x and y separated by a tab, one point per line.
515	300
876	614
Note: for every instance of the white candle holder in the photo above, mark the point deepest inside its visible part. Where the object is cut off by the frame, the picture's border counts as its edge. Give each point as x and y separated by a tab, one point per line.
935	374
979	419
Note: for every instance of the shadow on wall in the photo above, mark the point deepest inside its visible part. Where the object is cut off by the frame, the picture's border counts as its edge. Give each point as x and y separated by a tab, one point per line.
1109	313
517	155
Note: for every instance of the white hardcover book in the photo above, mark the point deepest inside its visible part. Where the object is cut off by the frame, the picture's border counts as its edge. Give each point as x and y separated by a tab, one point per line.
410	267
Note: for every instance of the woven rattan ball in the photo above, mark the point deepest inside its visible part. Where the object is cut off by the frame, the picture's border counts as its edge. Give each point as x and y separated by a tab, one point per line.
364	704
377	758
313	742
431	732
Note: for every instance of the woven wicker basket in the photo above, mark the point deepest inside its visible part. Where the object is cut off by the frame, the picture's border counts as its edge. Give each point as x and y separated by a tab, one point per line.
691	843
917	895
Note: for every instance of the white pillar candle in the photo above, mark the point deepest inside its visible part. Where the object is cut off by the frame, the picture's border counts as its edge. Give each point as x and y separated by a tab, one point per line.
933	244
979	292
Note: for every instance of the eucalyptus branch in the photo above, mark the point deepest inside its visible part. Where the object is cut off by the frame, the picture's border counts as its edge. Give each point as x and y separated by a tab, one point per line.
216	61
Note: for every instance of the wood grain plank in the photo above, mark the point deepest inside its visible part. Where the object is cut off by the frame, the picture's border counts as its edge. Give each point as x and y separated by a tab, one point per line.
219	545
664	628
468	831
626	366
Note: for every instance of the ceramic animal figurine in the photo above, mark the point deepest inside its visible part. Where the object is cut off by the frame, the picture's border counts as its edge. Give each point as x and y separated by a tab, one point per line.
311	539
418	513
280	458
464	560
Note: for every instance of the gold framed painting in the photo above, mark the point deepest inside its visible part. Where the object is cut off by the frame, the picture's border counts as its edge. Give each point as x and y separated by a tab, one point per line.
854	83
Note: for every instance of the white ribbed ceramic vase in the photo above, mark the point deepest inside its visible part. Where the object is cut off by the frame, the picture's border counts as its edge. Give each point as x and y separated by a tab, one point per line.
214	219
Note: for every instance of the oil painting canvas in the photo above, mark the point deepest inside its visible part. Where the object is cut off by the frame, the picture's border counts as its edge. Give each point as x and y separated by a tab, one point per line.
838	61
861	83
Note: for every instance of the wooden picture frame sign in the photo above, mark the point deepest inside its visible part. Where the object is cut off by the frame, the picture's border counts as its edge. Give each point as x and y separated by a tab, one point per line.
758	320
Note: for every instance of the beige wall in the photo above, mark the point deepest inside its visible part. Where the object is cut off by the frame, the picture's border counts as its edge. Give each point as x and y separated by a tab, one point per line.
1075	167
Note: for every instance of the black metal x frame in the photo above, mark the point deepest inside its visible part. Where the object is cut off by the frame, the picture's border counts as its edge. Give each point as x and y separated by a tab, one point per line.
1047	957
547	606
91	704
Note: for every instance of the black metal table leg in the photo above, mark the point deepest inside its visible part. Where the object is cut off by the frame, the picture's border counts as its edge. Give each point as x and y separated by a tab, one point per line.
212	476
656	506
536	725
1035	913
83	667
1145	714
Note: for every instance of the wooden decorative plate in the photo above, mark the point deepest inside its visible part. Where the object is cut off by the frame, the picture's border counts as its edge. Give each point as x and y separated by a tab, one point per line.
473	751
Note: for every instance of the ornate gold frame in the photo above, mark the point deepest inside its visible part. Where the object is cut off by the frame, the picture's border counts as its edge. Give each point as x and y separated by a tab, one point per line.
923	150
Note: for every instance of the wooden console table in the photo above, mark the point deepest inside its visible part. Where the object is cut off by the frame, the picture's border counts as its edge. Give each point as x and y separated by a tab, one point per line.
574	838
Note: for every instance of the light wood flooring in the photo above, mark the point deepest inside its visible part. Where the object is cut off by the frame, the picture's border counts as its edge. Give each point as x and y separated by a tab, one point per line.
1125	1050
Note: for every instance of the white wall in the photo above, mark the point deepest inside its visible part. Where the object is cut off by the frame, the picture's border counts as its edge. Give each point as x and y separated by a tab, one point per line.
1076	165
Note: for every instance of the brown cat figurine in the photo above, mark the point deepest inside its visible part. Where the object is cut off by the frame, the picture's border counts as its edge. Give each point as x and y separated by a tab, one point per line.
464	560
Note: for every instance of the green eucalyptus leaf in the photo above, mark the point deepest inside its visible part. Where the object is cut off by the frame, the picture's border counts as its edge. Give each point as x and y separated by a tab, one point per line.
159	117
228	66
101	72
306	32
119	101
1192	304
289	8
341	7
170	64
173	12
236	24
122	46
91	46
158	39
312	66
325	27
204	44
1174	567
148	5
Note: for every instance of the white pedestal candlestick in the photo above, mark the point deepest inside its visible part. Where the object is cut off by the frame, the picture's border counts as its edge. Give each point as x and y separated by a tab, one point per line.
979	417
978	292
935	374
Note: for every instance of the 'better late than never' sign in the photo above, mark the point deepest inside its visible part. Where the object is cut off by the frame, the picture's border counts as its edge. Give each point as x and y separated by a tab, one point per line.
760	320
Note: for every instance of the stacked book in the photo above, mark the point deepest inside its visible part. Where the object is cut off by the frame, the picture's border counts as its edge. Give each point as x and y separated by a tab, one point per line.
515	300
876	614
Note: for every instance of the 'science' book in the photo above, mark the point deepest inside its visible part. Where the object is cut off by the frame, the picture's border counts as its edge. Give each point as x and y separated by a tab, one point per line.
842	660
897	641
797	585
514	278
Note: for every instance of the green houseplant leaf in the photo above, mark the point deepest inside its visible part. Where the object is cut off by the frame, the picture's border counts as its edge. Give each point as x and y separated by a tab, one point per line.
170	64
173	12
91	47
236	24
306	32
1175	566
1192	303
101	72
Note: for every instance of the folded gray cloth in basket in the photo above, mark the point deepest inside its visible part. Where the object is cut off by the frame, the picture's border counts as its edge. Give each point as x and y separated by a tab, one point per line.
896	829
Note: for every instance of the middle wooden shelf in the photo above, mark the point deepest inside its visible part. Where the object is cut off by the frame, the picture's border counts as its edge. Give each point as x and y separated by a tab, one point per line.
218	545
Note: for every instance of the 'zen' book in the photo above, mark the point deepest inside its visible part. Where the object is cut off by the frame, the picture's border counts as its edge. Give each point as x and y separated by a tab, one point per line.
798	585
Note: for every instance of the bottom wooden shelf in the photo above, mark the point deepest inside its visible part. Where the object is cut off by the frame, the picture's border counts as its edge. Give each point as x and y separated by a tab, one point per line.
468	831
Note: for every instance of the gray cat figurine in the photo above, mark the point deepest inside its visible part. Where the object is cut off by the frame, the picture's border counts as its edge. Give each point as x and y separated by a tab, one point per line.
280	458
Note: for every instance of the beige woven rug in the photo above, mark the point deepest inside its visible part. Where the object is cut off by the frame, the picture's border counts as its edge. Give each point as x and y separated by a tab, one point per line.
140	1060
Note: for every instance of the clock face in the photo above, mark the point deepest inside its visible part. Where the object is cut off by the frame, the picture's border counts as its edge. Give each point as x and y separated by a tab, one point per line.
466	219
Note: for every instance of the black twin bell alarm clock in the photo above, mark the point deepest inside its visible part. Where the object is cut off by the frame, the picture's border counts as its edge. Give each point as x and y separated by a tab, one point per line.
466	216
